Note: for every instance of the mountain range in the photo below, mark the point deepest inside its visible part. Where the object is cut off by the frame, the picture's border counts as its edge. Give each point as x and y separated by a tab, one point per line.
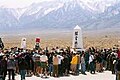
62	14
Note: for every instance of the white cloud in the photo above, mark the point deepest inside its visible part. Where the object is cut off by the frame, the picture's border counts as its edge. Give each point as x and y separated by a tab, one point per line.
18	3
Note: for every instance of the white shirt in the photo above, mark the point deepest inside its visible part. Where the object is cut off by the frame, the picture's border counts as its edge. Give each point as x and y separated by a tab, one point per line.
116	55
1	54
59	59
82	60
91	57
43	58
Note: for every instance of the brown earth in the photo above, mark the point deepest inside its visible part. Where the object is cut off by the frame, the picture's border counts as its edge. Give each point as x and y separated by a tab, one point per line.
64	39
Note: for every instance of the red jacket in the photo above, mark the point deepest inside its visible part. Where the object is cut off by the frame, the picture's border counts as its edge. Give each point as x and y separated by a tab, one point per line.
119	54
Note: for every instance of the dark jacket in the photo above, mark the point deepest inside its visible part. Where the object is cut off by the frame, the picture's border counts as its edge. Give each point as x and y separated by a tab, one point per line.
1	67
4	65
22	64
50	59
118	65
29	61
11	64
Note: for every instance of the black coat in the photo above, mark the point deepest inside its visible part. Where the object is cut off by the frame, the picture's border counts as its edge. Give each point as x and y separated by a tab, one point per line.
118	65
29	61
4	65
22	64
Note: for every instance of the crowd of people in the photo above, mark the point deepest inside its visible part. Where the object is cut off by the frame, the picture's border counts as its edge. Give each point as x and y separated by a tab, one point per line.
57	62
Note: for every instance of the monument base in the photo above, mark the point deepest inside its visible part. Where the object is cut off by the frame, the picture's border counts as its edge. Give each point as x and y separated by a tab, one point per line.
78	49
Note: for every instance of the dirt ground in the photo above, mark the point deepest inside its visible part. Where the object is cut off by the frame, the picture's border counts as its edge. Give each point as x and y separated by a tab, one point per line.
64	39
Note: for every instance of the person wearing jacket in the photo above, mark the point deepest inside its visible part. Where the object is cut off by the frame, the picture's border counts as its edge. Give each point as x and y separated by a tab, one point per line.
4	67
118	70
78	63
44	65
55	65
11	66
83	67
74	64
22	64
92	63
1	68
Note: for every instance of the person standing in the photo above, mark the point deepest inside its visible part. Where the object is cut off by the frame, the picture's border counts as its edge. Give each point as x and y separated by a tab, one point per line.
92	63
118	70
37	64
83	67
55	65
74	64
87	60
4	67
113	61
78	63
65	64
98	62
11	66
60	70
30	62
1	68
44	65
22	64
50	63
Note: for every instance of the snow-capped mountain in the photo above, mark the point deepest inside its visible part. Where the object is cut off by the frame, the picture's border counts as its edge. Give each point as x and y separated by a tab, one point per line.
90	14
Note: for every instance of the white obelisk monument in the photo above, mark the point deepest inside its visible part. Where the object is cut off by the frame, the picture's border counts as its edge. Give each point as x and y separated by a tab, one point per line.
77	38
23	43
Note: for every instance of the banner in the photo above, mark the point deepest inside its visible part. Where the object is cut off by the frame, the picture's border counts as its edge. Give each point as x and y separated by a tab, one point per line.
23	43
37	43
37	40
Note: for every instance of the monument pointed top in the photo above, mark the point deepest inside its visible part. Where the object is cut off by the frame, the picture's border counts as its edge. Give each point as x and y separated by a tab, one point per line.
77	27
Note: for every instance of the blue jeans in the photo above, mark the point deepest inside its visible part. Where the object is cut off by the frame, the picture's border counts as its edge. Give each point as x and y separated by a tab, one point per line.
77	68
22	73
50	68
83	68
92	67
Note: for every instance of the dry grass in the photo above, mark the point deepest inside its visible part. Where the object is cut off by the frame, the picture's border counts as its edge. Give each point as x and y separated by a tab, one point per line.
64	40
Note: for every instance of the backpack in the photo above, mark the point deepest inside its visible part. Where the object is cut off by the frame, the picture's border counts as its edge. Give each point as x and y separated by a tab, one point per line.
11	64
